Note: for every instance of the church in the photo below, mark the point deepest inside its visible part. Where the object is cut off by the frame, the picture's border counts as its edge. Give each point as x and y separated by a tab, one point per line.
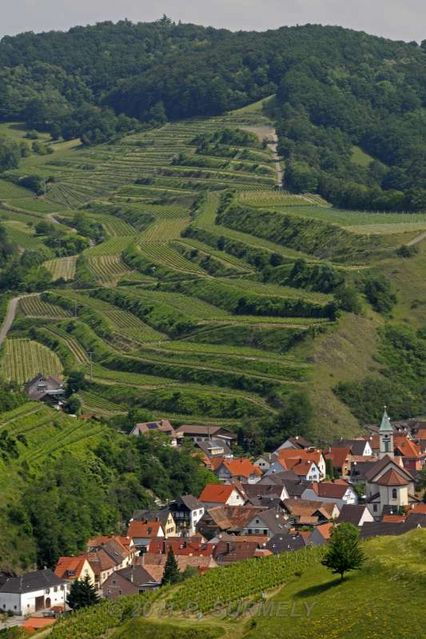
389	487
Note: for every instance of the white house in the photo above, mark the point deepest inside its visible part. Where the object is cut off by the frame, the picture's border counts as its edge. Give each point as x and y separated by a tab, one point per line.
339	492
221	495
38	590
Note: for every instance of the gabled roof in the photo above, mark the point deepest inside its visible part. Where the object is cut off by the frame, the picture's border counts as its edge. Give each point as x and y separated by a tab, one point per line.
381	464
70	567
241	467
298	442
338	456
217	493
100	561
331	490
305	507
351	514
206	431
274	519
192	546
286	542
214	447
392	478
188	501
406	447
301	468
232	517
32	581
142	529
356	446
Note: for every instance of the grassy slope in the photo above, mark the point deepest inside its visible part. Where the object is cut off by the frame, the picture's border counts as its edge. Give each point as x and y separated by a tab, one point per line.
48	435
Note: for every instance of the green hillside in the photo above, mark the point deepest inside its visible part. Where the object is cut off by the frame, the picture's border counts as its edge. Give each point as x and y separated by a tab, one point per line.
31	436
228	602
201	292
64	479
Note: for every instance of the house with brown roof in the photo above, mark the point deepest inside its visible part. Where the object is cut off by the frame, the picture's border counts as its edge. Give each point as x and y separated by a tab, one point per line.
72	568
141	532
221	495
307	463
264	494
161	426
340	459
163	515
241	469
129	581
195	546
356	514
267	522
214	448
321	534
303	512
231	550
359	446
230	519
295	443
45	388
286	541
202	433
338	491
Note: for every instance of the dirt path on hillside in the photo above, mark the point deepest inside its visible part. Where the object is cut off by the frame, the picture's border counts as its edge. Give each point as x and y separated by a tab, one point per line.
417	239
269	134
9	317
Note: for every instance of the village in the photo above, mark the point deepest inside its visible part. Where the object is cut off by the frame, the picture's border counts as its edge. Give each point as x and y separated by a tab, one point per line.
280	502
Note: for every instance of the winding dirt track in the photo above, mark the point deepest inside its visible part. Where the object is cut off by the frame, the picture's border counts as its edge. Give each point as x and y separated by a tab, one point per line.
9	317
417	239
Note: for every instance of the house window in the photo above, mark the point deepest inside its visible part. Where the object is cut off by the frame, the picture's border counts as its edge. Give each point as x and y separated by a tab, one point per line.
375	507
394	493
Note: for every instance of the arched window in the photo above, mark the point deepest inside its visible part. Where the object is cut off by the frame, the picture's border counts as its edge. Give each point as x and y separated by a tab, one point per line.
394	493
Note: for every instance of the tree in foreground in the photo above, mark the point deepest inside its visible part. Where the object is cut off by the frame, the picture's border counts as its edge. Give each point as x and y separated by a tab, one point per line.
82	594
344	552
171	570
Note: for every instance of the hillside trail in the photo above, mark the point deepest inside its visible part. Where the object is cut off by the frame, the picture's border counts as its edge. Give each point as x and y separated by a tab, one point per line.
417	239
10	316
268	133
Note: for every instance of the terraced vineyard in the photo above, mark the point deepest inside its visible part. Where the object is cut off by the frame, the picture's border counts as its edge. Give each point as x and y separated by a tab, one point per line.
62	267
33	306
23	359
188	305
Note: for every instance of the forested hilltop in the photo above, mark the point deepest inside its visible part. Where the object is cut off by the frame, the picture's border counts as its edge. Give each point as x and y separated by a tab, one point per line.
349	107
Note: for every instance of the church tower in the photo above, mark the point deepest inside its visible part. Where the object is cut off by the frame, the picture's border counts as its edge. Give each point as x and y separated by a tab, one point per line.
386	436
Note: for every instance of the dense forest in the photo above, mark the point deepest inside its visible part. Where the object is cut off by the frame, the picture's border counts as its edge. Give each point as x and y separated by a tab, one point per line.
349	107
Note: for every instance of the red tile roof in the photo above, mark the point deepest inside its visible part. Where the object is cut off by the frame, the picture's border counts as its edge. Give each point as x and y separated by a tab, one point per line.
216	493
338	456
70	567
393	519
392	478
406	447
241	467
191	546
325	530
330	489
143	529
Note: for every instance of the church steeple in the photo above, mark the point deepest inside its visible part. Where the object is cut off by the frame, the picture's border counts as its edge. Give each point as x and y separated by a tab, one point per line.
386	436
